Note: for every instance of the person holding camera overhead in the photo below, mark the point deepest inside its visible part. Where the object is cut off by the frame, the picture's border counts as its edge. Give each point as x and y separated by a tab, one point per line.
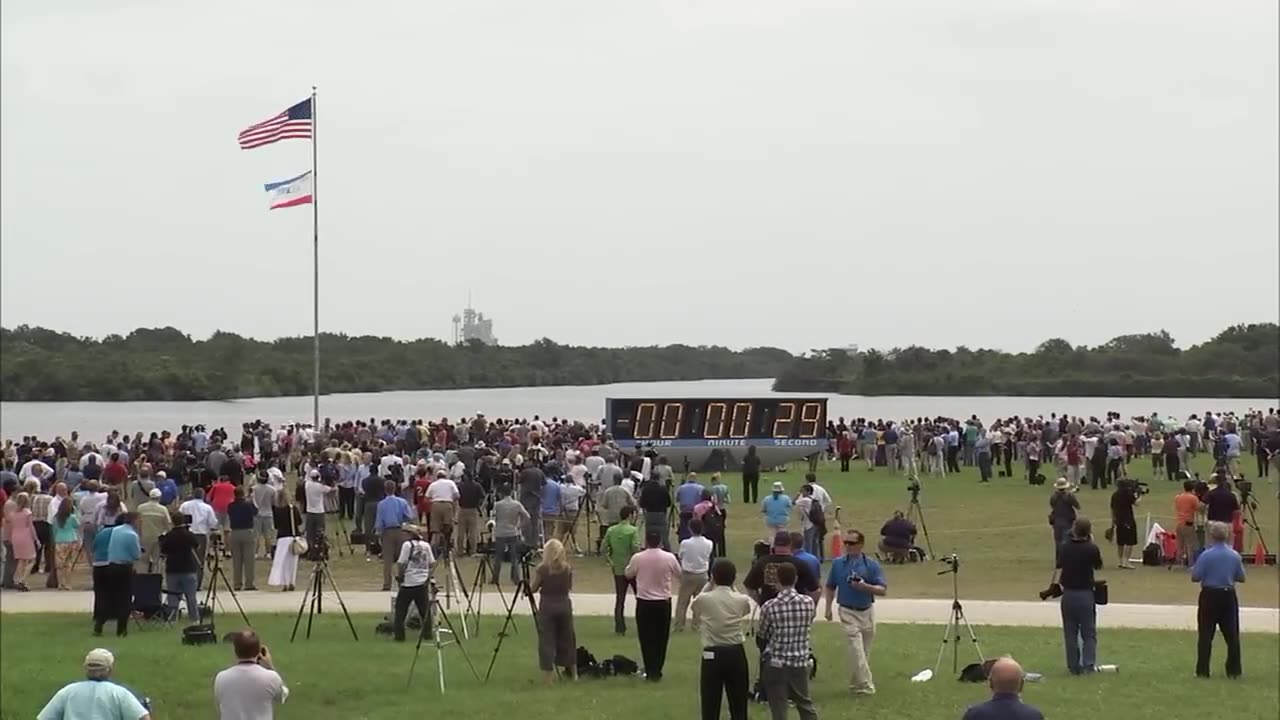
855	581
1078	558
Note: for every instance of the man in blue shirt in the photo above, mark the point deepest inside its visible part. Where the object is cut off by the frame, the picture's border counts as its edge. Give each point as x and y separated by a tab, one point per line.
1006	683
392	512
550	507
777	511
687	495
96	696
854	583
123	548
1218	569
798	552
168	489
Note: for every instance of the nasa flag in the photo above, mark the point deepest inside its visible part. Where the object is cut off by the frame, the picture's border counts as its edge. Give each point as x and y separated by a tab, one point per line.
287	193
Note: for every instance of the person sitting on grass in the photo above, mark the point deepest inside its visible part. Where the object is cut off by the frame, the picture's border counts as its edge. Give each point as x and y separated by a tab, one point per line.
95	696
1006	679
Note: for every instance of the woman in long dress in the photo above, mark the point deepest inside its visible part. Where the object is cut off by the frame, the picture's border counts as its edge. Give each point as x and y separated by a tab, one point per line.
288	522
22	536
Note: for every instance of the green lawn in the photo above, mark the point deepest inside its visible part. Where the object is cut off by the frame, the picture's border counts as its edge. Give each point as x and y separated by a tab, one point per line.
332	677
999	529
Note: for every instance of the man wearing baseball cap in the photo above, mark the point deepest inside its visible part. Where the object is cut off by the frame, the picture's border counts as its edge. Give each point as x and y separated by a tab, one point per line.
155	521
96	696
776	508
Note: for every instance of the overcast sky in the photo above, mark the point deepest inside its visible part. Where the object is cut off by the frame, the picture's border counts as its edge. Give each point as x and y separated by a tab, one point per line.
802	174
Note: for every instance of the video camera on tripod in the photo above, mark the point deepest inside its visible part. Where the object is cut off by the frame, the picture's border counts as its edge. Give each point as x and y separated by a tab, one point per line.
913	487
952	562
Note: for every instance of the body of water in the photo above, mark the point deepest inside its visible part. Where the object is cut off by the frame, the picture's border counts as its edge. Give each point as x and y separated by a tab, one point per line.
95	419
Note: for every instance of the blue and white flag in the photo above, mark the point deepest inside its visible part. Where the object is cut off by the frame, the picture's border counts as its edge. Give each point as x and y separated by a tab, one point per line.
287	193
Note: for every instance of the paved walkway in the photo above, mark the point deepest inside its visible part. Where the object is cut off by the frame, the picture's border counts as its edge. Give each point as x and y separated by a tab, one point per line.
889	610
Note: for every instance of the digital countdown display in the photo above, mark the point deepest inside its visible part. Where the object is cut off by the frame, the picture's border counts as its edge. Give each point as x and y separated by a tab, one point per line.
716	421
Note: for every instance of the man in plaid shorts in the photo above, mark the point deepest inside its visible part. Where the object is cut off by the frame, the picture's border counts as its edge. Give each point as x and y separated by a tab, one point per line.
785	623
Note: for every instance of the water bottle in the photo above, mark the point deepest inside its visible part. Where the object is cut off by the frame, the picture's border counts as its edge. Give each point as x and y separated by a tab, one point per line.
1033	677
1106	668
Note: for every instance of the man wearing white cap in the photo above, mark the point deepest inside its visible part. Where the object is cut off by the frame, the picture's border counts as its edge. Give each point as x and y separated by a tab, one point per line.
315	492
96	696
776	509
156	521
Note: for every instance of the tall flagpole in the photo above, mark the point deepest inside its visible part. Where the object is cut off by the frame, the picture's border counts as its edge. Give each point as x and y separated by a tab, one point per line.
315	259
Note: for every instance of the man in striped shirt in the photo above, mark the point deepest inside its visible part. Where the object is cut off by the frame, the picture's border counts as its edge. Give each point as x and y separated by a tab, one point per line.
785	624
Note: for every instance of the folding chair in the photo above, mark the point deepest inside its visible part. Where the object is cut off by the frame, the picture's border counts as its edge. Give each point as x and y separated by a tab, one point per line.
148	610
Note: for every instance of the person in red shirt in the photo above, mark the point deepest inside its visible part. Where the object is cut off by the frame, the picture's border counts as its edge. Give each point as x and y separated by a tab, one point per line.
421	481
114	473
1075	454
844	448
220	496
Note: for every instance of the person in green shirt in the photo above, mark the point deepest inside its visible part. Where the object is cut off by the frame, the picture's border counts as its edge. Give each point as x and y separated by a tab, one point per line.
621	541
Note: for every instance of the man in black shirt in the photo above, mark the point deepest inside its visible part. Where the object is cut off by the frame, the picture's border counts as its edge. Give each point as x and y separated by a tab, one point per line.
470	496
242	516
179	548
1221	502
1078	557
655	501
1124	525
531	481
761	582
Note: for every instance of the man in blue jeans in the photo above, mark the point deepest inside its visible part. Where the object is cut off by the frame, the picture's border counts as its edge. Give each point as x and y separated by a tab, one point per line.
180	549
1078	558
509	516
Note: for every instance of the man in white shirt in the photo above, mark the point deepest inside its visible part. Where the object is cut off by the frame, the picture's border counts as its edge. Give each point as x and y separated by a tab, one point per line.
820	493
204	522
250	689
443	494
35	468
695	563
413	568
315	493
570	502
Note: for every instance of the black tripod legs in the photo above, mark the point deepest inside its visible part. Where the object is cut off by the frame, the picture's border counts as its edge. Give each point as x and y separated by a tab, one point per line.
312	595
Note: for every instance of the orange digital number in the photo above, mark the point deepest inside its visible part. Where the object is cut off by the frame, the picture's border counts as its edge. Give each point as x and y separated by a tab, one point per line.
646	419
740	425
785	420
810	419
714	425
672	416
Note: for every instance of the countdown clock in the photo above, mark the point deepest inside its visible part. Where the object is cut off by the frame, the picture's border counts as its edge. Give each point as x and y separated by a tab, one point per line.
781	427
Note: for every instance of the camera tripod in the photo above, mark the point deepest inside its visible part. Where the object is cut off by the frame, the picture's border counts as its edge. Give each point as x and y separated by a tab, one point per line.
587	506
1248	516
453	582
916	512
955	621
440	643
344	537
211	593
315	593
522	588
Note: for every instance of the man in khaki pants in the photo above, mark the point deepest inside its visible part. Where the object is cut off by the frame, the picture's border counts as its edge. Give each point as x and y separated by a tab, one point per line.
854	583
695	563
1185	505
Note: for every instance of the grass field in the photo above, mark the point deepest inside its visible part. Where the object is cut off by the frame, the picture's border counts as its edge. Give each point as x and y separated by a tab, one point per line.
332	677
999	529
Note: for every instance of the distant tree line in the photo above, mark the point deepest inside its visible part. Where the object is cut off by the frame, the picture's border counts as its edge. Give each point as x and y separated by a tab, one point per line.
166	364
1242	361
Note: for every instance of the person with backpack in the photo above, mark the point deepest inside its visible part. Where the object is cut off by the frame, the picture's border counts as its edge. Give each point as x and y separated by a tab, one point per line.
813	520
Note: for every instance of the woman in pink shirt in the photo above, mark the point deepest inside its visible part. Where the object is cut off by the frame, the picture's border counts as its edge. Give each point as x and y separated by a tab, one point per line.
654	570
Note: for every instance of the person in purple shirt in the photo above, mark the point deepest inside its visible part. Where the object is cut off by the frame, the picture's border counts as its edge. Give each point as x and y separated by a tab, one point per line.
1006	679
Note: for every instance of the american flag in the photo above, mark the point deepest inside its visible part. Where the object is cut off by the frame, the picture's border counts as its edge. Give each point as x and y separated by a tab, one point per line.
294	122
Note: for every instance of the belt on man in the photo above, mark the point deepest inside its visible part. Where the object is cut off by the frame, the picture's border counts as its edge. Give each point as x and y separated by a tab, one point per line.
856	609
1219	589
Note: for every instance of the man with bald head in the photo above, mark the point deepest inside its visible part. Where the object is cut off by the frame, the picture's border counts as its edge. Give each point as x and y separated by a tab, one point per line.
1006	682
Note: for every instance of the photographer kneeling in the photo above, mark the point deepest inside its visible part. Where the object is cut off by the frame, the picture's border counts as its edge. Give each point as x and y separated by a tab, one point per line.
897	537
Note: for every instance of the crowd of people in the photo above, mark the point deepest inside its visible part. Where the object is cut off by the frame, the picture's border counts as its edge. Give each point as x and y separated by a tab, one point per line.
415	492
